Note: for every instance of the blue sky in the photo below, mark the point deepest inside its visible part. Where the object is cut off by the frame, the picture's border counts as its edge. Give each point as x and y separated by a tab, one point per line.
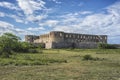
36	17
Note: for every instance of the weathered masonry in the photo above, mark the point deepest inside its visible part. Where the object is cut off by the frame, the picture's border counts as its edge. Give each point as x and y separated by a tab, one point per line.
58	39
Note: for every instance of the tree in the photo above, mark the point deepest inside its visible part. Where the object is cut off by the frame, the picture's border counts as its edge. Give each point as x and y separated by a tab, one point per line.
8	42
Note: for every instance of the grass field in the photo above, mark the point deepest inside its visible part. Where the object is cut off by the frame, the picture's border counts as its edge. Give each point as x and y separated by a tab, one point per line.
62	64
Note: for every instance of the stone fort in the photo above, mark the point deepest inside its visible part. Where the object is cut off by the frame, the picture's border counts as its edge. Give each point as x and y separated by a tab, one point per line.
58	39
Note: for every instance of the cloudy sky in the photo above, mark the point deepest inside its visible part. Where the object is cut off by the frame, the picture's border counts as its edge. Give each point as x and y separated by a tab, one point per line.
36	17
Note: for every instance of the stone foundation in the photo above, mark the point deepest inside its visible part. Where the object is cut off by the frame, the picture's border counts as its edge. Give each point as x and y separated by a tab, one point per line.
70	45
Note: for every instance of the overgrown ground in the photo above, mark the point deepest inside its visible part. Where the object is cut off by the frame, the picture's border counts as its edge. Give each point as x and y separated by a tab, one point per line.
62	64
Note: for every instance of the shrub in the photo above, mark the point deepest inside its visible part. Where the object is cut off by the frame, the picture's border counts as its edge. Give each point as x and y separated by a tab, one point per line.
8	42
32	51
106	46
5	55
87	57
26	57
39	63
41	51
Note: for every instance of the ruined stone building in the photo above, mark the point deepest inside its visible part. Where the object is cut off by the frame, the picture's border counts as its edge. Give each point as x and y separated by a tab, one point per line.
58	39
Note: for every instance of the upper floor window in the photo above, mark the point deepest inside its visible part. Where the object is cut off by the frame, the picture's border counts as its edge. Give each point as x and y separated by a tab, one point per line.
70	36
73	36
105	38
78	36
60	34
66	35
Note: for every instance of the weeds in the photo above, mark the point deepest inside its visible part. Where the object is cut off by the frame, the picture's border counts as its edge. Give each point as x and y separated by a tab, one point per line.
89	57
67	65
27	59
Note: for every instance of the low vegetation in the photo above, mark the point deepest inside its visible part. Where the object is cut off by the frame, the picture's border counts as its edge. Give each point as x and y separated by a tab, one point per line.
29	59
24	61
62	64
10	43
106	46
89	57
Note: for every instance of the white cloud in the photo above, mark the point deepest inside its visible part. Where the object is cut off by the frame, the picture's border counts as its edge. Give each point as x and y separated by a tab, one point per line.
35	29
56	1
85	12
107	22
37	18
34	10
21	31
50	23
2	14
64	28
29	6
17	18
7	27
9	5
95	23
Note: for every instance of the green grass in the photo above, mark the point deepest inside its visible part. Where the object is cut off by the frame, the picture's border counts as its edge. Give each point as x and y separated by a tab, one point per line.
62	64
30	59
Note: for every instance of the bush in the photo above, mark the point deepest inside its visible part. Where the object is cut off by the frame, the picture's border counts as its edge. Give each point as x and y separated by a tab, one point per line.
24	47
5	55
87	57
41	51
32	51
8	42
106	46
26	57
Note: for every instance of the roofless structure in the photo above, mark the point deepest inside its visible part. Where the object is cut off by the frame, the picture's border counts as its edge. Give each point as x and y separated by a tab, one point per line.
58	39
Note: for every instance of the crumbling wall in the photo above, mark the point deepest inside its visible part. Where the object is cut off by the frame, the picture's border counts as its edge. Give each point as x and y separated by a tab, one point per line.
58	39
88	45
56	36
31	38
